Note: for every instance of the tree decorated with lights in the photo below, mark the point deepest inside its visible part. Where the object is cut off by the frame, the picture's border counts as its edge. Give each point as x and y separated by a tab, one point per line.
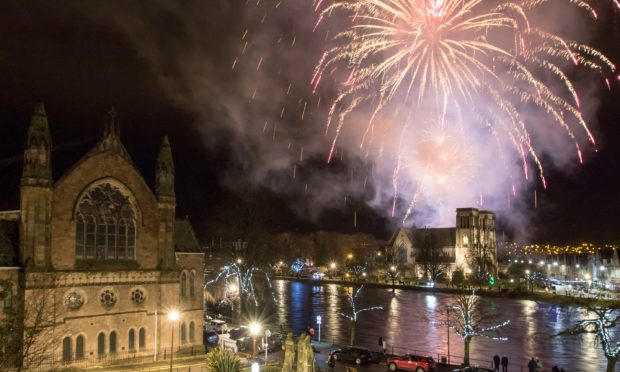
353	296
599	321
470	318
298	265
236	275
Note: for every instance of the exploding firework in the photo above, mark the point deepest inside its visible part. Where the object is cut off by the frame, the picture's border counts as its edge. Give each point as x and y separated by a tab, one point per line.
398	56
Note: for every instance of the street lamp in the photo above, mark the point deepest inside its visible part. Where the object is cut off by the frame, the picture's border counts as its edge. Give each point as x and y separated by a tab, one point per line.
527	278
350	256
239	261
254	331
173	316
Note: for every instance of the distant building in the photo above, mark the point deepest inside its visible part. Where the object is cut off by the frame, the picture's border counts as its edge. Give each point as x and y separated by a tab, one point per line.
452	247
104	251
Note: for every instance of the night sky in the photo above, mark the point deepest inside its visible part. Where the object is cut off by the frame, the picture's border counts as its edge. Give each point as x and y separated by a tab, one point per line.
79	60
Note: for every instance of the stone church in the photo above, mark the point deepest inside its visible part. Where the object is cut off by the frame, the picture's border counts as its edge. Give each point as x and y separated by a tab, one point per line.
473	234
104	251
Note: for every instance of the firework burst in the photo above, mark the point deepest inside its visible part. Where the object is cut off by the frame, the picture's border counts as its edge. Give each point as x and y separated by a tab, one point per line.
399	56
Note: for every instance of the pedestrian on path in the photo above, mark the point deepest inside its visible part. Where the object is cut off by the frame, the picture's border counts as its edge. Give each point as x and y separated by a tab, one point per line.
381	343
384	346
504	364
531	365
496	361
331	361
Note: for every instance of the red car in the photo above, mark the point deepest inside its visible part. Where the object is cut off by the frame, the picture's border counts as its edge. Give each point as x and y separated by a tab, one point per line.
411	363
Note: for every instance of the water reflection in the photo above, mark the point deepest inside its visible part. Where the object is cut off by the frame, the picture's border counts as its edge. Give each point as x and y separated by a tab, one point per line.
409	323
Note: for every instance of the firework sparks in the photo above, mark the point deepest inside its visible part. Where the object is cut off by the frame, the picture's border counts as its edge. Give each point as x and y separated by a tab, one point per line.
437	53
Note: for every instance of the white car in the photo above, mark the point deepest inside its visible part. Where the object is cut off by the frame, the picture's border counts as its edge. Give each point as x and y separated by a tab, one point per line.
217	325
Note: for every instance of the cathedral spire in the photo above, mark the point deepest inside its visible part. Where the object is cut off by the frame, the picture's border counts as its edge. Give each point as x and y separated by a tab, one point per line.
164	173
37	163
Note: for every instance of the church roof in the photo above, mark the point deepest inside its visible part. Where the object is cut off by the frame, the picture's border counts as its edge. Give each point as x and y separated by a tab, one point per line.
9	243
185	240
442	236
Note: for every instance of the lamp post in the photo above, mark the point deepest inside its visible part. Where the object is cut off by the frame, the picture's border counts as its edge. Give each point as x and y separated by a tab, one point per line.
318	321
527	278
173	316
254	331
448	331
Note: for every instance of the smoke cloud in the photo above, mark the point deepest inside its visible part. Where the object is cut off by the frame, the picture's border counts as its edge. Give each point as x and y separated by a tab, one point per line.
244	69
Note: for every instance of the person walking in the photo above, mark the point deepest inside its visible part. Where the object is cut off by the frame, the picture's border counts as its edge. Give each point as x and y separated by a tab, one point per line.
504	364
555	369
531	365
496	361
384	346
381	344
331	361
539	366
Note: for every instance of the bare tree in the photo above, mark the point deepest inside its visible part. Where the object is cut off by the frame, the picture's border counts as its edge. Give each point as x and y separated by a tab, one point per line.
29	330
482	261
599	321
431	258
353	296
469	317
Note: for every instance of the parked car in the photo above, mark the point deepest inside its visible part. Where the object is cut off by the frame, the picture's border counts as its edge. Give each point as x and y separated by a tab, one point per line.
211	337
217	325
473	369
411	363
274	342
239	332
352	354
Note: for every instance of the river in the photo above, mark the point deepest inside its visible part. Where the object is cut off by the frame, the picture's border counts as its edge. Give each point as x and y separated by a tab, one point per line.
409	322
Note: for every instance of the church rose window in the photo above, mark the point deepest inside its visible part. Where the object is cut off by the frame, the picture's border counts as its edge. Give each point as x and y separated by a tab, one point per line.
74	300
138	296
105	225
107	298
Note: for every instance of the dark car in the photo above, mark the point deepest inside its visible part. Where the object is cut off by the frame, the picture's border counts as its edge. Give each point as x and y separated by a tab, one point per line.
352	354
211	337
239	332
274	342
473	369
411	363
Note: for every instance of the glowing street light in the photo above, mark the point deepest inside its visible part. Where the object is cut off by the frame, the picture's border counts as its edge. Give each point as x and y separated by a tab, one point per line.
350	256
254	331
239	261
392	268
602	268
173	316
332	265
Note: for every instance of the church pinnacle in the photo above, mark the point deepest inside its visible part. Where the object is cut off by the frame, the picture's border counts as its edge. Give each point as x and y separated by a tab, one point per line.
164	174
37	153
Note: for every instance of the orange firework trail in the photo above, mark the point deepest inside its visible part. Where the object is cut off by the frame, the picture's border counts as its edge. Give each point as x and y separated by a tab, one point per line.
436	53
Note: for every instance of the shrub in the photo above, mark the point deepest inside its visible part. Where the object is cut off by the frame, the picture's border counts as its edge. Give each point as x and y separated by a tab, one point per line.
222	360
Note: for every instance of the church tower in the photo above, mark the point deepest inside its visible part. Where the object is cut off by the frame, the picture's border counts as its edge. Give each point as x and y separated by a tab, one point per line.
164	188
36	192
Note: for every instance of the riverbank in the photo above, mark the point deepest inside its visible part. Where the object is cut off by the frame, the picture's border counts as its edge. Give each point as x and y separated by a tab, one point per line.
562	300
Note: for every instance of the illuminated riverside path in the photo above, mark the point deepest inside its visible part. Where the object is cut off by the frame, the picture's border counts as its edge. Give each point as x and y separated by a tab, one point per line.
407	324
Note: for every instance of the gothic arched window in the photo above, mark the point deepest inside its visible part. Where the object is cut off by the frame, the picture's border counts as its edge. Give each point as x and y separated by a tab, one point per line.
105	225
183	333
112	342
192	331
79	347
132	340
142	338
183	284
101	343
66	349
192	291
